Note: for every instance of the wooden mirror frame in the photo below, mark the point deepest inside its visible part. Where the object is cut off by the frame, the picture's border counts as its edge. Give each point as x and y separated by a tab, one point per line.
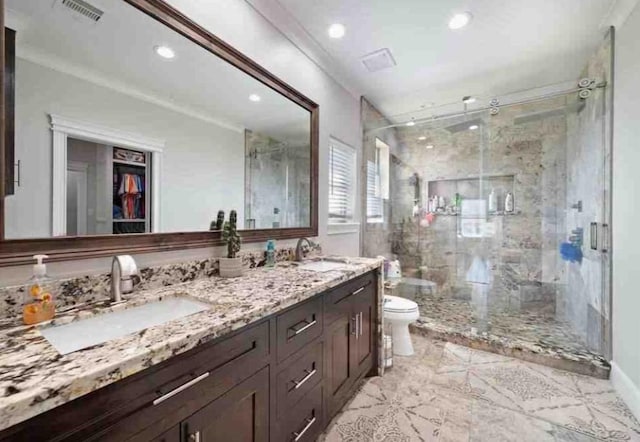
19	251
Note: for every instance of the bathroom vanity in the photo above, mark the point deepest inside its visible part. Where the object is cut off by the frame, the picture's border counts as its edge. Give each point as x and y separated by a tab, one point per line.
275	357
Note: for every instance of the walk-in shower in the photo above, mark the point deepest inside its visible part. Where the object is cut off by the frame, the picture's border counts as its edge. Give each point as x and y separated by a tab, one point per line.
499	215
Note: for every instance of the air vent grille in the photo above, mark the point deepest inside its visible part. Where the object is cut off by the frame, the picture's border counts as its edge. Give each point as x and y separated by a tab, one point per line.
378	60
83	8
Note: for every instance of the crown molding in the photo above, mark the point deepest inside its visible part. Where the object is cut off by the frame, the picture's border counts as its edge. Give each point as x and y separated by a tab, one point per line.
288	25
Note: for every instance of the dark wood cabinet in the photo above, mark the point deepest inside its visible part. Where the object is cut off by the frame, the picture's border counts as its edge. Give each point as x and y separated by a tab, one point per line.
350	349
281	379
364	309
241	415
339	355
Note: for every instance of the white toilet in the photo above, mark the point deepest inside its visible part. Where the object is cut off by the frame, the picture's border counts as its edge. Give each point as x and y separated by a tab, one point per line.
400	312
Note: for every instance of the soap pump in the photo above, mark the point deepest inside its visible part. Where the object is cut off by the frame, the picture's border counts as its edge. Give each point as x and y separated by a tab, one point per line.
39	305
271	253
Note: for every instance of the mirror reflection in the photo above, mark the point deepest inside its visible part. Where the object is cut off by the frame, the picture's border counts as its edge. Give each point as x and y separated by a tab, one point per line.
155	138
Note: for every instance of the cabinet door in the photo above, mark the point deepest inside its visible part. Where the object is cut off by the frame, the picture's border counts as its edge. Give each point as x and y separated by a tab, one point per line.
340	338
240	415
364	346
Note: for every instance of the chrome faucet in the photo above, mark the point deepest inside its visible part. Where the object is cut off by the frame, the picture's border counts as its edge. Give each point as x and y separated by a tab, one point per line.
123	267
299	247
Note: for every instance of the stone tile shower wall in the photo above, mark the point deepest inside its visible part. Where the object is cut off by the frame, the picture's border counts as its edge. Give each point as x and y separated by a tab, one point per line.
508	153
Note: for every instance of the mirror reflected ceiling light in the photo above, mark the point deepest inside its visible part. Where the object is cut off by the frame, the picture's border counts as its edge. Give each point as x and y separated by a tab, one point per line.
336	30
411	123
255	98
473	127
165	52
429	146
422	138
460	20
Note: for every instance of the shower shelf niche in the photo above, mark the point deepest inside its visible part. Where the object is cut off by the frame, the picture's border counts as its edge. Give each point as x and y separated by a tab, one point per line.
469	188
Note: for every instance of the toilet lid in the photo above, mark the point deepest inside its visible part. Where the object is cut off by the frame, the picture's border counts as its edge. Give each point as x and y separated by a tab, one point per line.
397	304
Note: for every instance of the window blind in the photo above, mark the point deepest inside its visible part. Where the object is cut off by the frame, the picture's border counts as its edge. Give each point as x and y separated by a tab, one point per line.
342	161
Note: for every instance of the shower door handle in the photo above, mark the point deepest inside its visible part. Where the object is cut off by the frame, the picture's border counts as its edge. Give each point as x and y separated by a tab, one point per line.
605	238
593	234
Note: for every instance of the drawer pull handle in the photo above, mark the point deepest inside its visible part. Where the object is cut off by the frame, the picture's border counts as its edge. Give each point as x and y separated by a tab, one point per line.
194	437
360	323
300	330
183	387
299	435
301	382
357	291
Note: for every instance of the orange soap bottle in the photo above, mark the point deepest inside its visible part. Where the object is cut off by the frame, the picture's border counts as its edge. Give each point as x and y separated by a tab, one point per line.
38	305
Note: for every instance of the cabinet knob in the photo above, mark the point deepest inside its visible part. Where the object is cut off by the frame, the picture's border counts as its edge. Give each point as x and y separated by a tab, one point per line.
194	437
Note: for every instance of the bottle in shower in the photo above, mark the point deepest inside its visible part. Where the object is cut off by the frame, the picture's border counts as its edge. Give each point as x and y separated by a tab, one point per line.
493	202
508	203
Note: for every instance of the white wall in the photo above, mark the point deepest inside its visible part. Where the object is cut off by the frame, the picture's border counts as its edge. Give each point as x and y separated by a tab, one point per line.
242	27
237	23
195	183
626	213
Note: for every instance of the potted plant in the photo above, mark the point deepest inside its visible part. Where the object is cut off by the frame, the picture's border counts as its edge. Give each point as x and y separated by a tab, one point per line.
218	224
231	266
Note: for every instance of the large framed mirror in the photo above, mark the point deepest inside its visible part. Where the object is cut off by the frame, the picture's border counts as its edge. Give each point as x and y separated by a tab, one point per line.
128	127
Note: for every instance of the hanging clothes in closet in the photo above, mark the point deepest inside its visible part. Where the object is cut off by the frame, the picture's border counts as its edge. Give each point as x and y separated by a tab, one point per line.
130	192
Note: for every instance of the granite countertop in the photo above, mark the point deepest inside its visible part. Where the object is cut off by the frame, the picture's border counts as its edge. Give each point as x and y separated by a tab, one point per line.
35	378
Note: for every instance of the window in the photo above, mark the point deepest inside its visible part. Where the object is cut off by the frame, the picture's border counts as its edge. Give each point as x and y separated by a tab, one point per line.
342	182
377	182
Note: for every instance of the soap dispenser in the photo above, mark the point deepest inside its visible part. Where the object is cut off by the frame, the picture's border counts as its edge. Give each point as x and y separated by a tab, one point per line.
38	305
271	253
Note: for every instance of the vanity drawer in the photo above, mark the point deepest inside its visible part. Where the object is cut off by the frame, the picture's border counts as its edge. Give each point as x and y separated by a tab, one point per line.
179	387
298	327
298	378
337	302
230	362
305	421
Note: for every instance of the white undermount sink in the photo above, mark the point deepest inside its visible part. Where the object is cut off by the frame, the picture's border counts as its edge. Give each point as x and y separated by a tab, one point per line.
322	266
105	327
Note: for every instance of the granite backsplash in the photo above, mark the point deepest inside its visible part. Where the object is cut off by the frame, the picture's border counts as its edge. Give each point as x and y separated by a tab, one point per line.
72	292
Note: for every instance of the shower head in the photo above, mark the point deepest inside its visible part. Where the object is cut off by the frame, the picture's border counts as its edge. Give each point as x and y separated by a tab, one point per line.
464	125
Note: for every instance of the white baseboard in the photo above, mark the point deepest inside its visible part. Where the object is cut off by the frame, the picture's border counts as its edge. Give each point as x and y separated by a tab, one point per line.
628	391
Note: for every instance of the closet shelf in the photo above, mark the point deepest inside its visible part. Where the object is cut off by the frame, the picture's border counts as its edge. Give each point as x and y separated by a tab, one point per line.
130	163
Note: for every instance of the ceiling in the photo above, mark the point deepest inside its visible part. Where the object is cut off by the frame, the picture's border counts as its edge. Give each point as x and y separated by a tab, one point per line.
510	45
118	52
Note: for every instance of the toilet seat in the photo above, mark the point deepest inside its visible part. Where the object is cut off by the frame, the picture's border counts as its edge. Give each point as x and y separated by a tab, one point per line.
395	304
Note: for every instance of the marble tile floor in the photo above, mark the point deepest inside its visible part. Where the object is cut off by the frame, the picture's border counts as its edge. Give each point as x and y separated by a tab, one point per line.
447	392
534	335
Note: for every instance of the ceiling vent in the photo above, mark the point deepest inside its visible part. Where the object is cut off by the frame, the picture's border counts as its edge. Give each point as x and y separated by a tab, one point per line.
378	60
84	9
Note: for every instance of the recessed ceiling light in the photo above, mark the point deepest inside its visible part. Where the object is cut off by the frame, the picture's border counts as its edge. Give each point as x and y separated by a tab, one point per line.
254	97
429	146
460	20
468	99
165	52
473	127
336	30
422	138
